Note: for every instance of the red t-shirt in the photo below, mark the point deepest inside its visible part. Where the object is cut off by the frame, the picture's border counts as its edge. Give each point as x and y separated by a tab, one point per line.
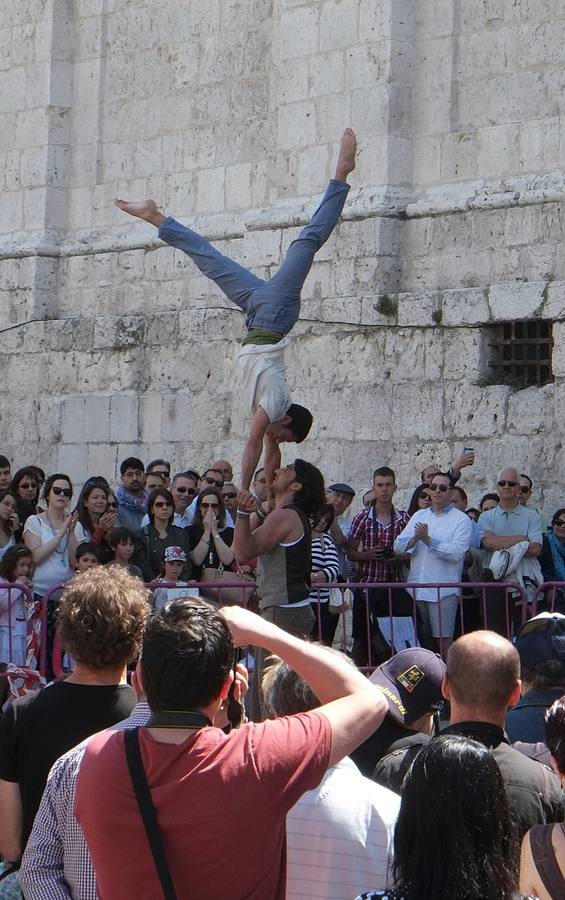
221	803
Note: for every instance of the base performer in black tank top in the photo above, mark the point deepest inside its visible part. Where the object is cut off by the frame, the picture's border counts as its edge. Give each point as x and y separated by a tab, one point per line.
281	542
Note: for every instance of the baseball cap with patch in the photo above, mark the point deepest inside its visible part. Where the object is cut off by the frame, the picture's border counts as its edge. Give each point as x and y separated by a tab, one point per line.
174	554
411	683
541	639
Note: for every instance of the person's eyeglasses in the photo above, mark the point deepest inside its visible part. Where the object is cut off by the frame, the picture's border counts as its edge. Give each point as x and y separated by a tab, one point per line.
525	489
218	484
507	483
66	492
229	496
162	504
439	487
559	523
185	490
425	497
209	506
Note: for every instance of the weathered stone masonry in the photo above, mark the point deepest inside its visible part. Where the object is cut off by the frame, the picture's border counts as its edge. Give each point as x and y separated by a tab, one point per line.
228	114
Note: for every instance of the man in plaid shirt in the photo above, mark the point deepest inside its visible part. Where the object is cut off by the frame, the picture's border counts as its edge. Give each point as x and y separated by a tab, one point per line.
376	529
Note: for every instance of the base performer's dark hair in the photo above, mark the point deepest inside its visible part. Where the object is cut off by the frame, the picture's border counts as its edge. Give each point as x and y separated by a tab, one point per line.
311	498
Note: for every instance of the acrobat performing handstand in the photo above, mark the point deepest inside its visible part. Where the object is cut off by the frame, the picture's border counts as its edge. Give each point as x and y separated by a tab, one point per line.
271	308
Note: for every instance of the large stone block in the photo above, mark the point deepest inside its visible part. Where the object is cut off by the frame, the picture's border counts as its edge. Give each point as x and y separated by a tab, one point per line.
74	420
96	418
124	418
475	411
554	307
419	309
517	300
465	307
531	411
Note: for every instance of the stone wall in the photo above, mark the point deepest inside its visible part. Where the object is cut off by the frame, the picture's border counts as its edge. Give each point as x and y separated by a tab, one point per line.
228	113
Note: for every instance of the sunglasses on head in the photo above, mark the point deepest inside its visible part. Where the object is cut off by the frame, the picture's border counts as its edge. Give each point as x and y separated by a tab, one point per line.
218	484
66	492
185	490
439	487
229	496
507	483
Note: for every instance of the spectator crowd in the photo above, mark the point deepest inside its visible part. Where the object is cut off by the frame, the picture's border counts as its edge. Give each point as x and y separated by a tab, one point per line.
402	731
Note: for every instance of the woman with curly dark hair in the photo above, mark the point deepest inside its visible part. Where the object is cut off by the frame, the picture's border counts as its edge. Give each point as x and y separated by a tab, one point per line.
152	540
454	837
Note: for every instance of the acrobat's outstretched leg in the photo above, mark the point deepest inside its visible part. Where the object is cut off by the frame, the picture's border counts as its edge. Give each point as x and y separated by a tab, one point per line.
234	280
278	301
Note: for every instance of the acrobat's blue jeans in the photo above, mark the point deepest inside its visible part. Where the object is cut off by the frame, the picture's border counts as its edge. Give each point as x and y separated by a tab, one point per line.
273	304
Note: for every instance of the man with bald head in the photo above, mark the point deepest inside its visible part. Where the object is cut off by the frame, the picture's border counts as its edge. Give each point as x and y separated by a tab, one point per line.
482	681
508	524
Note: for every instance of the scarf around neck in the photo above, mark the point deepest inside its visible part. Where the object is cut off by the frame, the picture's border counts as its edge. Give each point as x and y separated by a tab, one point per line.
129	500
558	555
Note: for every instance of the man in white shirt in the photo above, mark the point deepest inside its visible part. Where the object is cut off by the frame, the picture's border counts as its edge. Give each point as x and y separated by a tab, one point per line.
437	540
339	835
271	310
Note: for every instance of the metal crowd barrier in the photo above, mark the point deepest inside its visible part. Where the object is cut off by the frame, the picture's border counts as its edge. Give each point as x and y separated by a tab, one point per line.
497	605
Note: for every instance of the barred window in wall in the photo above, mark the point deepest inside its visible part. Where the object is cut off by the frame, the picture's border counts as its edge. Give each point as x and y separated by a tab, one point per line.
520	353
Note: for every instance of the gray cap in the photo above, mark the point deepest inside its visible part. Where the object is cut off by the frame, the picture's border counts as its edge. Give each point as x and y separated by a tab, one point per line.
342	487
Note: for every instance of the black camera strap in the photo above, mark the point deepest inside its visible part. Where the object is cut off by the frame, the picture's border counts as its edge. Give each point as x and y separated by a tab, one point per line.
173	718
147	810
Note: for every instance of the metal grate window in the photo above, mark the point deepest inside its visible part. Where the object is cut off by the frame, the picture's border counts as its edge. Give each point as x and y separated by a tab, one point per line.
520	354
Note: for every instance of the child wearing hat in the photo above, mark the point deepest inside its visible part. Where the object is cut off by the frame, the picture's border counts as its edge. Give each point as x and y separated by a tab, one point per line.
174	559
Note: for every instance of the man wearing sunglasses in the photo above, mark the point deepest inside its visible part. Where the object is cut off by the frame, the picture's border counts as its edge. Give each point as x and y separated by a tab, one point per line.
229	494
437	540
508	524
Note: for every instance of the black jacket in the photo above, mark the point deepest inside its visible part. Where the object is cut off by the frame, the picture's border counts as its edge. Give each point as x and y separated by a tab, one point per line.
534	791
390	736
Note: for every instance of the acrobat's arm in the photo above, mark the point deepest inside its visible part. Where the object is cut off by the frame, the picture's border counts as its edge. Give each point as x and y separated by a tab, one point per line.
254	446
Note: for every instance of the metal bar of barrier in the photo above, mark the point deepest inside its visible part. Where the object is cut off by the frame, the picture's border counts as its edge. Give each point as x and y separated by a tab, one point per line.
540	591
9	588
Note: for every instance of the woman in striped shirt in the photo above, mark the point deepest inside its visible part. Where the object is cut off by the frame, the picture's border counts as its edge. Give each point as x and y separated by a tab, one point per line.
325	569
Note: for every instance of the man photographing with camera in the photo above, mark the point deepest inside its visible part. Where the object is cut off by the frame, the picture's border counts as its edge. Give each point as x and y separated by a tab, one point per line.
203	782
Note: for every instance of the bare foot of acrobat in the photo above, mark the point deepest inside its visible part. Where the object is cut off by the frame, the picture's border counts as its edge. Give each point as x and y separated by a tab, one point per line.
147	211
346	157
